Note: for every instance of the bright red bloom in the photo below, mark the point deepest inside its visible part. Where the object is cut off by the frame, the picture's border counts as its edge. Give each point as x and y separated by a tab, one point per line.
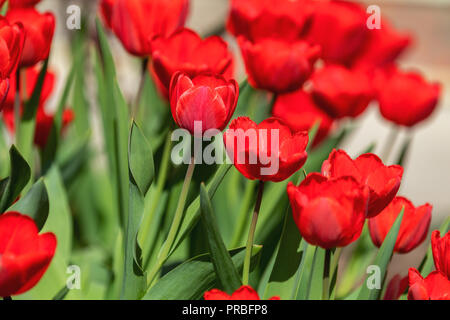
11	45
434	287
277	65
383	47
382	182
44	121
39	29
405	98
441	252
24	254
414	227
243	293
136	22
300	113
396	287
328	213
261	18
341	92
106	11
185	51
210	99
339	27
4	88
268	151
20	3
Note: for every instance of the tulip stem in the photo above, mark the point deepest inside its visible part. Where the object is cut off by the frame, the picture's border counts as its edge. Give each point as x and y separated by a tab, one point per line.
167	246
137	102
391	139
243	213
326	275
251	234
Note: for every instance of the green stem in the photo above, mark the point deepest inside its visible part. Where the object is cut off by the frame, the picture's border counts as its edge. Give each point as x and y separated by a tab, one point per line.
162	257
326	276
251	234
137	102
162	177
392	137
334	270
245	207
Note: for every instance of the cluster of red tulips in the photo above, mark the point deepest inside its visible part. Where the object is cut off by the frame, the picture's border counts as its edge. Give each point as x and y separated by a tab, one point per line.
312	68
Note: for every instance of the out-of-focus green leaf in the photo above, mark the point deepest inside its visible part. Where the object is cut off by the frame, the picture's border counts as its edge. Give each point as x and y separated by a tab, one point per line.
223	265
305	271
191	279
34	204
382	260
316	289
20	175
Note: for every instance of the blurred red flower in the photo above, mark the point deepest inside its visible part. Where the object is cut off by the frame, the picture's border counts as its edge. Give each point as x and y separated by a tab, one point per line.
12	40
405	98
185	51
39	29
396	287
435	286
243	293
20	3
441	252
300	113
136	22
413	229
341	92
24	254
268	151
277	65
328	213
210	99
382	182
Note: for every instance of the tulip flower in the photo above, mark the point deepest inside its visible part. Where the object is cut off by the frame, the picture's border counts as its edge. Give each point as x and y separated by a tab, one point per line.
136	22
185	51
405	98
243	293
339	27
268	151
106	9
383	47
39	29
441	252
413	229
300	113
396	287
12	41
381	182
341	92
435	286
209	99
328	213
24	254
44	121
252	19
20	3
276	65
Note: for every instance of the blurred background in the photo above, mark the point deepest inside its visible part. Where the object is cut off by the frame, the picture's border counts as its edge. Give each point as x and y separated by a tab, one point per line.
427	170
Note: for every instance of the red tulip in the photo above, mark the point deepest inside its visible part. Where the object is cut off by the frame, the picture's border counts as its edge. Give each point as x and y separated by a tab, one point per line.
268	151
277	65
413	229
209	99
185	51
339	27
4	88
260	18
24	254
381	182
44	121
396	287
300	113
106	10
383	47
11	45
39	29
405	98
136	22
441	252
243	293
434	287
20	3
328	213
341	92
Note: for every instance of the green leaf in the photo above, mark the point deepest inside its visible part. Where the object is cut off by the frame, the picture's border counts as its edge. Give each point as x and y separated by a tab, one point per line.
20	175
223	265
382	259
140	158
34	204
305	272
193	278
